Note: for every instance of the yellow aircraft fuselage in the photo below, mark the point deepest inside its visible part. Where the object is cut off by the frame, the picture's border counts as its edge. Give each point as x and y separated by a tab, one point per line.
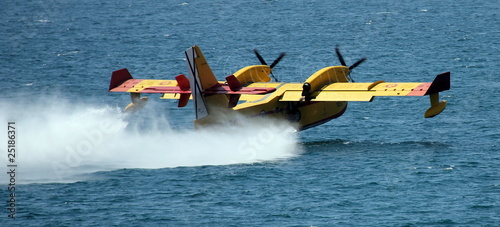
305	113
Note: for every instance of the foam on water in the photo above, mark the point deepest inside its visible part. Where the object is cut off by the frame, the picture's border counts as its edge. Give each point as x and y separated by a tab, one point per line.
58	141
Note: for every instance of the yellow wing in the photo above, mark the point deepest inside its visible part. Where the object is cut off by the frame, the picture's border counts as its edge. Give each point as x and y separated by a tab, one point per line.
367	91
344	91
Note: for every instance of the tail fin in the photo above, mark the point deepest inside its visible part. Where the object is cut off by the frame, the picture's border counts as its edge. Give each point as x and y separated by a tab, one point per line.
202	78
199	69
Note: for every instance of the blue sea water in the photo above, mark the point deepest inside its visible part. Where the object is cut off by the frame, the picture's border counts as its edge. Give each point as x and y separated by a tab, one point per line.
81	161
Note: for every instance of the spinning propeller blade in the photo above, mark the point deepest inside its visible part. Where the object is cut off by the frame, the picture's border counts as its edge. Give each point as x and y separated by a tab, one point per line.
275	62
261	59
339	56
342	61
357	63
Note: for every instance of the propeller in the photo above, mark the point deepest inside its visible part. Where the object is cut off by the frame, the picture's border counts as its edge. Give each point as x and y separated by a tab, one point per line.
275	62
261	59
357	63
342	62
339	55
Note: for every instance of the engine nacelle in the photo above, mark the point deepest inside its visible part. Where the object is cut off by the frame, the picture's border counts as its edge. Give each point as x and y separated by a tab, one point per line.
324	76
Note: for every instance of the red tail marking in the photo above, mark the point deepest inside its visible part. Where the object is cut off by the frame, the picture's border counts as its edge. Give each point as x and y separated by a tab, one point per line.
420	90
234	84
183	82
233	100
183	100
118	77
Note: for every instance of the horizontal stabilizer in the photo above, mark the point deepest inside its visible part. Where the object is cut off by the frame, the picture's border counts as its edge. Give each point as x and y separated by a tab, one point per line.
122	81
128	87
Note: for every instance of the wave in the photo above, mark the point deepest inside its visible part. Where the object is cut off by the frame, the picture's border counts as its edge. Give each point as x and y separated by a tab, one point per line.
58	141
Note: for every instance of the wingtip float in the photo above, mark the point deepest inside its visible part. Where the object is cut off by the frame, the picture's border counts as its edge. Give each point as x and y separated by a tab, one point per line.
250	92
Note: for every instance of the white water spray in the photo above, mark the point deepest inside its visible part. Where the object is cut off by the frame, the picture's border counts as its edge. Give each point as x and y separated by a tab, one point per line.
57	141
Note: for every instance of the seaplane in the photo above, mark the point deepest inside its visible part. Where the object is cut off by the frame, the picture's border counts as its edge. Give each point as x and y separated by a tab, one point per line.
254	92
